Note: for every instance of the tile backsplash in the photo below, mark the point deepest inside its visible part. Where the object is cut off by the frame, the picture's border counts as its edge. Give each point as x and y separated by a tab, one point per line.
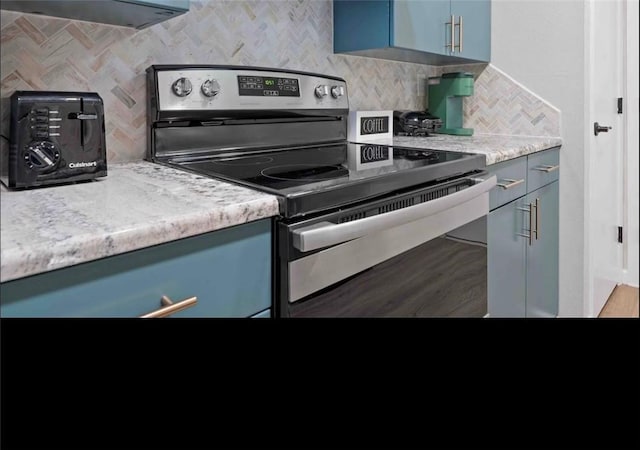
501	105
47	53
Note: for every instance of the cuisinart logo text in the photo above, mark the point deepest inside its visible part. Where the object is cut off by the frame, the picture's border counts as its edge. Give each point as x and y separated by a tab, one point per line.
374	125
76	165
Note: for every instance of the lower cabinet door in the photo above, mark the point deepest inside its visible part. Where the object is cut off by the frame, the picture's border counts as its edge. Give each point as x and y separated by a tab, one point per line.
542	255
266	314
228	271
506	259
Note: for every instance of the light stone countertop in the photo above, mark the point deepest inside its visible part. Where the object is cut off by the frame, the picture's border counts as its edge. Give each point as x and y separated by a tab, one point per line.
141	204
136	205
496	148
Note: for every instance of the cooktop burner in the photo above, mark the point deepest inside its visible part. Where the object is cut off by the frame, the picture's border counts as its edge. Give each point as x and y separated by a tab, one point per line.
245	161
304	172
316	177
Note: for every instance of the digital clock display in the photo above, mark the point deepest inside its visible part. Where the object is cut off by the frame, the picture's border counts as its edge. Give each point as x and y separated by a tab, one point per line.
250	85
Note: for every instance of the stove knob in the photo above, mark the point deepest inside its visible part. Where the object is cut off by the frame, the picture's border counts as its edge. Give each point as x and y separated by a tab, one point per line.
321	91
210	88
182	87
337	91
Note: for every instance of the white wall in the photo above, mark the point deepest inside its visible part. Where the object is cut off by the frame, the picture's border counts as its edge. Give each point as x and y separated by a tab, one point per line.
541	44
632	164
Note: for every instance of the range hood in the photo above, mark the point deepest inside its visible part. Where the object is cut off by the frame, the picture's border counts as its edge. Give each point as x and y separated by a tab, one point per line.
126	13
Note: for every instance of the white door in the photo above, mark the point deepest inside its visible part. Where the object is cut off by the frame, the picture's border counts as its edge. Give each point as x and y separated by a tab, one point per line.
605	181
632	162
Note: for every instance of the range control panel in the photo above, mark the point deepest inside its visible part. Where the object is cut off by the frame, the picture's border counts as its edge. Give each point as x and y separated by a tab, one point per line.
239	89
268	86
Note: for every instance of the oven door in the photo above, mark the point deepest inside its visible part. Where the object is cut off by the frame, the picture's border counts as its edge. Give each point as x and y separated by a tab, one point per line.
419	254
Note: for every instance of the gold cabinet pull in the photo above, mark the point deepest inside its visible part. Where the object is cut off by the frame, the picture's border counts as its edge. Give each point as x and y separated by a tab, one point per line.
547	168
510	183
537	218
169	307
460	34
453	27
529	210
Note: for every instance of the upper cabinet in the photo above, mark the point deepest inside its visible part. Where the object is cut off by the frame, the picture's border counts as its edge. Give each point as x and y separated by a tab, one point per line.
436	32
127	13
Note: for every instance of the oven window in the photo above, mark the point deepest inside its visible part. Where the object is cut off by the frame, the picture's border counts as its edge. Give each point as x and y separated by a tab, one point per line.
444	277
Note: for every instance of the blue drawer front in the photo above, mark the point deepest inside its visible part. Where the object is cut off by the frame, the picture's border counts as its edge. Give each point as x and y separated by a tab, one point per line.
513	176
542	168
229	271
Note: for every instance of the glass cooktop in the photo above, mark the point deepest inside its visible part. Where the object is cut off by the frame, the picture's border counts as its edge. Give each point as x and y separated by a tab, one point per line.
316	178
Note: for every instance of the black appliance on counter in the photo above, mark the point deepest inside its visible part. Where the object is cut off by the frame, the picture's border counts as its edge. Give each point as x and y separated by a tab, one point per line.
55	137
364	229
415	123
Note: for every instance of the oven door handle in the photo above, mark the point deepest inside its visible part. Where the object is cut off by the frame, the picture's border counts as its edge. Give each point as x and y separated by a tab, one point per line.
323	234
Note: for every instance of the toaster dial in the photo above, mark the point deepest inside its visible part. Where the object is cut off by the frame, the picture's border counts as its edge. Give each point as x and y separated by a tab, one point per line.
41	156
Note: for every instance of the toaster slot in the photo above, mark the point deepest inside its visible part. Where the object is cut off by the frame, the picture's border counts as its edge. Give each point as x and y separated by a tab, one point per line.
88	118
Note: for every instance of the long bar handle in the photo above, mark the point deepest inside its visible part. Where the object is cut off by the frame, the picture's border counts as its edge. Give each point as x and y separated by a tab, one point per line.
537	218
451	45
547	168
169	307
530	211
511	183
460	34
323	234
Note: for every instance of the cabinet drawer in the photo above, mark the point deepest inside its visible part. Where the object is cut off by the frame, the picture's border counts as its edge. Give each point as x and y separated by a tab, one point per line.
229	271
542	168
512	176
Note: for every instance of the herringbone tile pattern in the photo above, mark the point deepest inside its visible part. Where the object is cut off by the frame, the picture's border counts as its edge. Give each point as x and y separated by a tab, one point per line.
49	53
500	105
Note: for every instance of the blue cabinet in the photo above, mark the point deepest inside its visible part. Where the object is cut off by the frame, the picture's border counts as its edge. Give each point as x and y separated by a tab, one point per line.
266	314
472	29
127	13
542	254
523	237
227	271
437	32
421	25
506	260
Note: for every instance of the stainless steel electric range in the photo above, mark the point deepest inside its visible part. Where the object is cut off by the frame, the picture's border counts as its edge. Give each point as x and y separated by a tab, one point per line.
365	230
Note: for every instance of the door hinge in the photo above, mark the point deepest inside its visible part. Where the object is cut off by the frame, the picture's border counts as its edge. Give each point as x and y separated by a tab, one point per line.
619	105
620	235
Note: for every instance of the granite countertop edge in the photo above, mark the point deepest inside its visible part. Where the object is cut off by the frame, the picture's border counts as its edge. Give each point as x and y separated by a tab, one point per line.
75	233
193	205
17	263
496	147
